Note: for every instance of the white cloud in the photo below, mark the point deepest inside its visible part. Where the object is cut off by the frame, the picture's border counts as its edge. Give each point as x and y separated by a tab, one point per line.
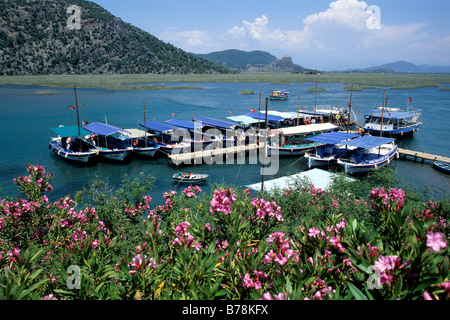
351	13
338	33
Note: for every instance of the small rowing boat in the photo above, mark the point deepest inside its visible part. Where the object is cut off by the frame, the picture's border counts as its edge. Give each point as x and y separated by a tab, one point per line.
190	177
442	166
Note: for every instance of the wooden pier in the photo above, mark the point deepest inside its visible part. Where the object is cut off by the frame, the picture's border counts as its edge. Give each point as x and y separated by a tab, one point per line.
209	156
422	156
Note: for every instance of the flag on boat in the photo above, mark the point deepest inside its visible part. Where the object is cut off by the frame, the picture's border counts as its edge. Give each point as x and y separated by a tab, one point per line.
410	99
85	123
230	113
252	110
173	114
72	108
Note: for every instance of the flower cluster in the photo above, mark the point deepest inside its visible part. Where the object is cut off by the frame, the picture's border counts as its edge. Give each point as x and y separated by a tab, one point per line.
254	281
436	241
386	266
269	208
222	200
384	200
140	262
137	211
189	192
184	238
283	251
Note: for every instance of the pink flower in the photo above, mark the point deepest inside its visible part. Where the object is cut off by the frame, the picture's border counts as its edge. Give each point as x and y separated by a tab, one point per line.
436	241
313	232
427	296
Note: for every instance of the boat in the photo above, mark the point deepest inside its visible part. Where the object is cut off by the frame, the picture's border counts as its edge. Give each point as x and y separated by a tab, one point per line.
225	131
163	135
190	177
72	142
393	122
370	153
292	141
442	166
197	138
279	94
111	142
331	151
142	142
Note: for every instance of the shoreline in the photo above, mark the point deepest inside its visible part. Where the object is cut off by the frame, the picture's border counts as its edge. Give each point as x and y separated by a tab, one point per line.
121	81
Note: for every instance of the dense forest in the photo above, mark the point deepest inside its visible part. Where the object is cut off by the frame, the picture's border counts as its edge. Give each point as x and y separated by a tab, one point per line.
40	37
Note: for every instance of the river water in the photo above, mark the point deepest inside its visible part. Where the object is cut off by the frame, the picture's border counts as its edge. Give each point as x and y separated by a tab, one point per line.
25	119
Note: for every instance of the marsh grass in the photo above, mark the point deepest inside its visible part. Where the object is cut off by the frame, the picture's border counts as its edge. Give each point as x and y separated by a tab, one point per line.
316	89
46	93
392	81
246	91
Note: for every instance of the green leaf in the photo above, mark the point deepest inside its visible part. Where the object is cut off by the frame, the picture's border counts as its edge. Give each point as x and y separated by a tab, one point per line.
356	292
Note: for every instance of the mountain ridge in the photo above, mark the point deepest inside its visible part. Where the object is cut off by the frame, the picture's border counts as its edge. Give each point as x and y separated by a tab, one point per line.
35	39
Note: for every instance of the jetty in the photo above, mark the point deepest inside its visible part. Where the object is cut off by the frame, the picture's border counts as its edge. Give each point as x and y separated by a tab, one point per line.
422	156
210	156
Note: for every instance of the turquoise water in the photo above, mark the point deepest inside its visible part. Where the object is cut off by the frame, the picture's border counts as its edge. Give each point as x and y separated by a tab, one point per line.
25	119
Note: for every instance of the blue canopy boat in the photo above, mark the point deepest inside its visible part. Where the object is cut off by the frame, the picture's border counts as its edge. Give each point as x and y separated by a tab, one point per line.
143	143
70	143
328	153
219	128
293	141
370	153
392	122
198	139
111	142
163	137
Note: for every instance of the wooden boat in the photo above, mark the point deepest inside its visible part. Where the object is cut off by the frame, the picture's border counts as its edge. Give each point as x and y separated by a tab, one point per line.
370	153
142	142
392	122
279	95
196	137
442	166
163	137
111	142
293	141
331	151
72	142
190	177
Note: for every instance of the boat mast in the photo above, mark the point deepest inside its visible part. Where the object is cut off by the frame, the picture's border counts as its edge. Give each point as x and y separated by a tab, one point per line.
78	114
265	148
315	102
298	108
145	122
349	109
382	119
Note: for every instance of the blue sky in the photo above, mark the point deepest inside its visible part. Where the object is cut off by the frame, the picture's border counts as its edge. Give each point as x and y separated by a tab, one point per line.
320	34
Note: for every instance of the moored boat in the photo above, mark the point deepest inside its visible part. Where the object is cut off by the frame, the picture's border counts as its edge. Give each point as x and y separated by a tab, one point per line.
163	137
111	141
370	153
442	166
327	154
292	141
71	144
142	142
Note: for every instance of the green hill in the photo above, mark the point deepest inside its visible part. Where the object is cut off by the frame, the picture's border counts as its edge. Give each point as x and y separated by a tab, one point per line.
240	60
35	39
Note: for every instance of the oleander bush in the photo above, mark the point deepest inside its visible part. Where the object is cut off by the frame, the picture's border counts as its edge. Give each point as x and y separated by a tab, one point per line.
299	243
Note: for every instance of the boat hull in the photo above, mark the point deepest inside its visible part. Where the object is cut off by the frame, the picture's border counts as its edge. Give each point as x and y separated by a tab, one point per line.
67	154
398	133
116	155
294	150
145	152
193	178
442	166
369	165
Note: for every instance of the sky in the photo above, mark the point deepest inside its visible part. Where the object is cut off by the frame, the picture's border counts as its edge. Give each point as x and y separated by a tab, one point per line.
317	34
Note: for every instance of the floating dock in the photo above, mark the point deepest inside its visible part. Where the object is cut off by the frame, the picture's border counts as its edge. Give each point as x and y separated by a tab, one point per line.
422	156
318	177
210	156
